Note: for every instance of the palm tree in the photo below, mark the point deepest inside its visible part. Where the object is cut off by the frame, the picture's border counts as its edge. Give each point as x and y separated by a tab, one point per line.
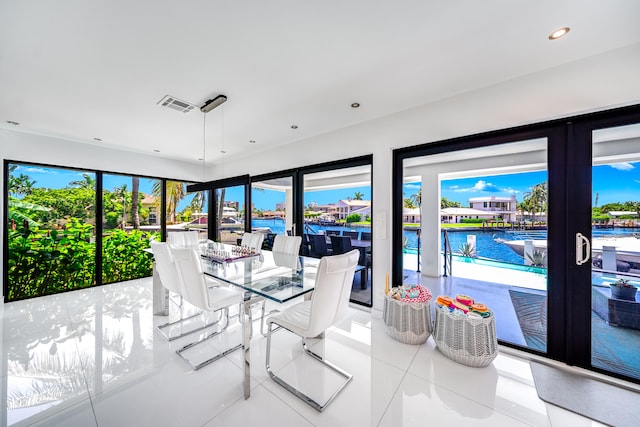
536	199
121	192
409	203
220	207
87	181
197	203
175	193
446	203
358	196
135	207
21	184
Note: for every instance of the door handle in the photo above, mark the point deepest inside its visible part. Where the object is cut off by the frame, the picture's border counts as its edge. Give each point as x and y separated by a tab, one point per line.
583	249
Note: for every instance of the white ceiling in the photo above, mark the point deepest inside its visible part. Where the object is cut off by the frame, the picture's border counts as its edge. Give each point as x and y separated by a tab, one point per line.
96	69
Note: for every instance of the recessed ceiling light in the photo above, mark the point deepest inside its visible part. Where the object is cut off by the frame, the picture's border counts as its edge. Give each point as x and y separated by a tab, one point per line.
11	122
157	151
559	33
97	139
294	126
355	105
252	141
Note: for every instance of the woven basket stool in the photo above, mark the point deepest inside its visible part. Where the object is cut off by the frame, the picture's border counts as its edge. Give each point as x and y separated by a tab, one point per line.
467	340
407	322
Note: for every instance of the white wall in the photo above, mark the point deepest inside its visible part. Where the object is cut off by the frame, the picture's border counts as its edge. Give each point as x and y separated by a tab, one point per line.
587	85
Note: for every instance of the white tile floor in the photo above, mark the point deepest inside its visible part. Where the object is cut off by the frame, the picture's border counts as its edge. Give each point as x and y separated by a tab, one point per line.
93	357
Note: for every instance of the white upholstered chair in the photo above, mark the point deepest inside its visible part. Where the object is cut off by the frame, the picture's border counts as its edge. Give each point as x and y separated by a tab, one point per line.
168	274
309	319
183	239
202	292
287	244
253	240
191	239
285	249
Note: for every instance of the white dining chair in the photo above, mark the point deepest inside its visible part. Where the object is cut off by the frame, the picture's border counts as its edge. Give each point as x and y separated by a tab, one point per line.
183	239
253	240
191	239
311	318
287	244
201	291
169	278
175	239
284	247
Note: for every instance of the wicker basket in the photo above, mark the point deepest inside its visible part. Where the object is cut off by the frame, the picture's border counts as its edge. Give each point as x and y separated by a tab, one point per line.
407	322
470	341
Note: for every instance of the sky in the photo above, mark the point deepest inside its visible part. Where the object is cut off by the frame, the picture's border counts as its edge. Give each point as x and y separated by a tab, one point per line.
617	182
264	200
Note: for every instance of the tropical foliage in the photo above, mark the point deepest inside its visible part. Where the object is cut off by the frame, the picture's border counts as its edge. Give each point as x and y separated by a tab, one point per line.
51	236
175	193
535	200
43	262
354	217
446	203
124	256
602	213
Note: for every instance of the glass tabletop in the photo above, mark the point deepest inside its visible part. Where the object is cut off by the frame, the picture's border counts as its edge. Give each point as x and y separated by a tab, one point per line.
277	276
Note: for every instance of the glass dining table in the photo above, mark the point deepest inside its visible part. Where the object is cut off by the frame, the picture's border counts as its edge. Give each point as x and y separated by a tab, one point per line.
275	276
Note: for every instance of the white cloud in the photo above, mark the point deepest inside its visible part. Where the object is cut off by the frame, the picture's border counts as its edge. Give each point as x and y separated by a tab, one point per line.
33	169
622	166
480	186
412	186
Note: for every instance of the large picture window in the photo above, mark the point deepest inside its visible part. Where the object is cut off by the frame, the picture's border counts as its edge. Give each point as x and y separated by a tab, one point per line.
51	230
57	241
129	221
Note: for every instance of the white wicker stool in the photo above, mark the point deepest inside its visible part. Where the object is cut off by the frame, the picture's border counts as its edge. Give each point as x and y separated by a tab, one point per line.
407	322
470	341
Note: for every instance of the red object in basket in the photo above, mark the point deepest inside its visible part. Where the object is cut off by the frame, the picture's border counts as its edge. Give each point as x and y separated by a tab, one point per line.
424	296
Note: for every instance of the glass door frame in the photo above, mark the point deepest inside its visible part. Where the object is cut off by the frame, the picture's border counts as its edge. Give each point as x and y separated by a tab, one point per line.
211	186
555	134
579	205
569	163
295	180
298	190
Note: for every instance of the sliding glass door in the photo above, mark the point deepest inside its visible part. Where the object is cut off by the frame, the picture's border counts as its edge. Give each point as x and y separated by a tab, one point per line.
561	272
338	217
272	206
479	216
615	249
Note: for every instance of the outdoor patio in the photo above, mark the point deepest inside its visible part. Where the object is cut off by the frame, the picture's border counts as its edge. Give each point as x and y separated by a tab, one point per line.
521	311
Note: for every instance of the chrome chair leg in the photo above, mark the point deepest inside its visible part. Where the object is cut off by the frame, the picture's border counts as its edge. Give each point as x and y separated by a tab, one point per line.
223	327
170	338
299	394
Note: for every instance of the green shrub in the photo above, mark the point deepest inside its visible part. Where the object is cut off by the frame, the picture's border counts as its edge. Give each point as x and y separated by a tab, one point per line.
473	220
43	262
123	255
354	217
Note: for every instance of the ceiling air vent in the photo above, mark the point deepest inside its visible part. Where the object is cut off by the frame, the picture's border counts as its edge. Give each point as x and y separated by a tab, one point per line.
176	104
